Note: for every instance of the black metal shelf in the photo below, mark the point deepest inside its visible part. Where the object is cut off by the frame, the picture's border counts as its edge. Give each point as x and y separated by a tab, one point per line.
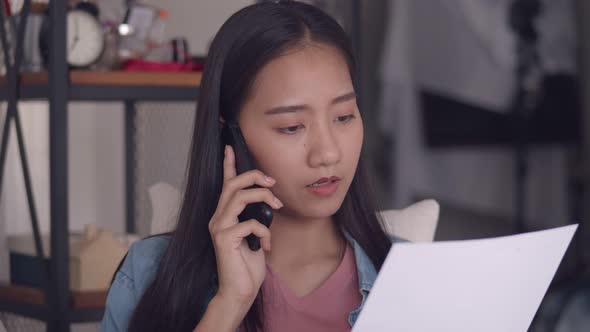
112	86
111	93
55	303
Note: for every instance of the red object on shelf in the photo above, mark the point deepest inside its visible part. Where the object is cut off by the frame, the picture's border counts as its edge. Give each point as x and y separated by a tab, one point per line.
143	65
7	8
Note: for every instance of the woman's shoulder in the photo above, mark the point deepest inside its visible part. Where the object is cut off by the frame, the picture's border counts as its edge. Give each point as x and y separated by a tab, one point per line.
143	258
151	248
135	274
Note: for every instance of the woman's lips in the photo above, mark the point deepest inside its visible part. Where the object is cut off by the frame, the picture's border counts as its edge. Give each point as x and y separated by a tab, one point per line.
323	180
325	189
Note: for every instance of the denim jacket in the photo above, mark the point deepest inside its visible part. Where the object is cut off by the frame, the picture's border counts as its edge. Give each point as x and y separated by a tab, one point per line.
139	269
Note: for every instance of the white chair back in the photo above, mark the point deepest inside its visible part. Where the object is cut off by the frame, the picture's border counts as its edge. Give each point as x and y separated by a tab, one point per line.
416	223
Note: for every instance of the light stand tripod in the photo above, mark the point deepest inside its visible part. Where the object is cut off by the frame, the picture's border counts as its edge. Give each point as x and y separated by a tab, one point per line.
528	74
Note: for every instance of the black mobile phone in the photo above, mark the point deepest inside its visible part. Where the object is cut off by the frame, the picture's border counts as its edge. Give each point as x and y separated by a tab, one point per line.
244	162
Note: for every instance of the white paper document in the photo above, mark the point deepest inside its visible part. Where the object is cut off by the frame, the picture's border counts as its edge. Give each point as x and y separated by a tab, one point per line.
493	285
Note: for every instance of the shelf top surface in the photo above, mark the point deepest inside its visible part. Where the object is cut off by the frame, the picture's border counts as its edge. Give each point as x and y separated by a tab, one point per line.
117	78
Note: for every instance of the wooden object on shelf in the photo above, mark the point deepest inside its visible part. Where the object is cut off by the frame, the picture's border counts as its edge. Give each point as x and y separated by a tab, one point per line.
119	78
94	260
94	257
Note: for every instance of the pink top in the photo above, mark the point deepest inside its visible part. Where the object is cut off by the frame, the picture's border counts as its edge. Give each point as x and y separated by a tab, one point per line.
324	309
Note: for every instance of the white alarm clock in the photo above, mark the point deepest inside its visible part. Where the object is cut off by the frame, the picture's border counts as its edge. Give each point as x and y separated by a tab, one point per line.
85	38
16	6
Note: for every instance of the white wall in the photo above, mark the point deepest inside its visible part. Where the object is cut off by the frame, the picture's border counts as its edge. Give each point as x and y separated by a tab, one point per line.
96	168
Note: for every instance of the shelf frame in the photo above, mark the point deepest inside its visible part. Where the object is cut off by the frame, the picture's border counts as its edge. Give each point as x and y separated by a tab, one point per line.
55	303
111	86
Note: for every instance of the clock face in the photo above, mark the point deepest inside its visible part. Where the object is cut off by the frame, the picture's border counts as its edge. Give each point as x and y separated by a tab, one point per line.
85	39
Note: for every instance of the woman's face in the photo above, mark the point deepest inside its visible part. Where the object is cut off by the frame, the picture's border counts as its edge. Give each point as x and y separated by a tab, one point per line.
301	123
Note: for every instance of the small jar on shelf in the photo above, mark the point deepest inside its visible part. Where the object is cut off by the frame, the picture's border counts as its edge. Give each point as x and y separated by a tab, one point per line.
109	60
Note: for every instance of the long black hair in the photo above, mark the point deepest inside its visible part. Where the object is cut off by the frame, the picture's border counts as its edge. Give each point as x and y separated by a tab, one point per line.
249	39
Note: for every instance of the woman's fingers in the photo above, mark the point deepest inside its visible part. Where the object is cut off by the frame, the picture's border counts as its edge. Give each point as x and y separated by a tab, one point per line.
243	181
245	197
237	233
238	202
229	163
248	179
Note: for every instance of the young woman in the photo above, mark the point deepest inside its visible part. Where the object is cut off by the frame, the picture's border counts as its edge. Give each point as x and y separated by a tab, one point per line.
284	71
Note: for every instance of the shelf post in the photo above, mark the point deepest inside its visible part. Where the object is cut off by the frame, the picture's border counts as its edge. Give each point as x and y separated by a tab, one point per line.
356	33
130	153
59	293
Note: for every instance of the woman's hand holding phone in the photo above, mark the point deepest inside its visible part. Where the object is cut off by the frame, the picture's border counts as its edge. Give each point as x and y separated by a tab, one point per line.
241	271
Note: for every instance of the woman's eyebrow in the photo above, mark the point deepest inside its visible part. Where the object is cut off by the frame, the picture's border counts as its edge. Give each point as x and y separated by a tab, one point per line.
304	107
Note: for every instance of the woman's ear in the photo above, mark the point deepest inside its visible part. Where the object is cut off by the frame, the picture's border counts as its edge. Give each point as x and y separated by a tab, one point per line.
221	122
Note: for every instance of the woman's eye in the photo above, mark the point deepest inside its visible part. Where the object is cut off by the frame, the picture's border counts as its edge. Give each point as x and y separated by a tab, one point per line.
290	130
345	118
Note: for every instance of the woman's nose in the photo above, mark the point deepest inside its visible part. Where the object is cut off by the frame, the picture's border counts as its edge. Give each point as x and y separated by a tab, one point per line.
324	149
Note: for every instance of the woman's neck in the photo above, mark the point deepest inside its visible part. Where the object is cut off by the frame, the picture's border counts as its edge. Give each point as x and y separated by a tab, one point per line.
297	241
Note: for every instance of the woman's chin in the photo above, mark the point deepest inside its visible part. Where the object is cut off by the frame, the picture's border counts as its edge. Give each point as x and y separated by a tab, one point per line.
311	210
